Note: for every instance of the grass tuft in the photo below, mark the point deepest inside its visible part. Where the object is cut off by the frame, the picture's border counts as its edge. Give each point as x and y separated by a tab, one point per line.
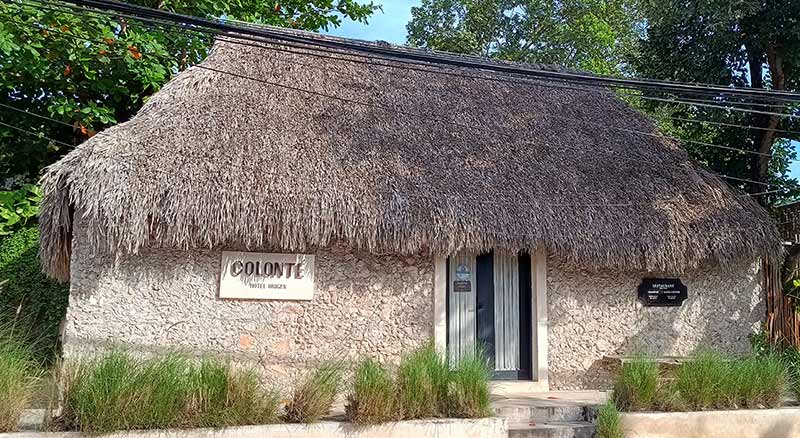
760	382
422	380
119	392
19	375
636	386
468	391
222	396
609	424
372	399
313	397
704	381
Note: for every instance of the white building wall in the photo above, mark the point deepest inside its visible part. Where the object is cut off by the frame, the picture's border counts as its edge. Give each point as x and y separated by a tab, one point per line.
597	315
381	306
364	305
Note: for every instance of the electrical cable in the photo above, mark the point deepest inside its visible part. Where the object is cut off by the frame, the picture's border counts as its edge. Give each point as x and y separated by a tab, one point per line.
362	103
437	58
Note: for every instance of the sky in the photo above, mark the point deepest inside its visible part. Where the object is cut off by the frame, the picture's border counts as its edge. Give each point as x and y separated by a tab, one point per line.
390	26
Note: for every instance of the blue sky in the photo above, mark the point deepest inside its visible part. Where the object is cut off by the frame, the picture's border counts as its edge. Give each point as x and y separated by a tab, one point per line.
390	26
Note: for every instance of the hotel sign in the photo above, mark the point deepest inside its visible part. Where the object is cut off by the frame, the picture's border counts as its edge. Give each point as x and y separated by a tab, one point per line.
662	292
266	276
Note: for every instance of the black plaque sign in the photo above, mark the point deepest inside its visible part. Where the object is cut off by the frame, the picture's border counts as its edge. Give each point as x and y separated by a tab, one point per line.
462	286
662	292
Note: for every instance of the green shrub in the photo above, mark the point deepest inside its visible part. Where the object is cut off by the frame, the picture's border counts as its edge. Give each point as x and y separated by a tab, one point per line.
27	295
313	397
668	398
608	422
636	385
222	396
422	380
760	382
468	390
19	374
791	358
713	381
120	392
704	381
372	399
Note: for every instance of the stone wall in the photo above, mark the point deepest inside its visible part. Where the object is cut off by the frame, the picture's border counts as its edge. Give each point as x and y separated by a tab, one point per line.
596	315
167	299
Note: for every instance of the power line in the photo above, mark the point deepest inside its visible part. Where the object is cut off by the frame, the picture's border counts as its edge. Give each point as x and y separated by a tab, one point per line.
419	115
786	187
434	58
611	153
353	101
38	135
550	83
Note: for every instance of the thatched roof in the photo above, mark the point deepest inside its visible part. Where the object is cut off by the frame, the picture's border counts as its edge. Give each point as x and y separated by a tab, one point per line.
392	160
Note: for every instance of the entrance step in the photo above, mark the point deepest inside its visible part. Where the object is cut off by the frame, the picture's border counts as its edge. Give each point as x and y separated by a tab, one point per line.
571	429
541	414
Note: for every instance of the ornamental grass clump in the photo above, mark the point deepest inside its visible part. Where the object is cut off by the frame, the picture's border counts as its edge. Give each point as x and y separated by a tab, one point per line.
791	357
19	377
714	381
757	382
422	381
705	381
636	386
468	390
313	397
372	399
609	424
120	392
222	396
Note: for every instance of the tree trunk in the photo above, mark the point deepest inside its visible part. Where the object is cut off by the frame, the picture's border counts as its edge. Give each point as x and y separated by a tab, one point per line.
765	136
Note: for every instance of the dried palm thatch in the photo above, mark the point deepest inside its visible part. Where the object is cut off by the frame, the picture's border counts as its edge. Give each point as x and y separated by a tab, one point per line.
390	159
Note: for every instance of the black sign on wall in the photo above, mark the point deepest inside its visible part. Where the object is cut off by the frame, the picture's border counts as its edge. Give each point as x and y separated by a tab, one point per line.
662	292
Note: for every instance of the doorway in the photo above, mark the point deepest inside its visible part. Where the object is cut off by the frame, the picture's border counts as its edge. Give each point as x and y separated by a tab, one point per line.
489	306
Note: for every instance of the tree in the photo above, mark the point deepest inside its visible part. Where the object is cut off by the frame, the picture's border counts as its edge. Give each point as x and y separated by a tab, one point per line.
590	35
744	43
91	71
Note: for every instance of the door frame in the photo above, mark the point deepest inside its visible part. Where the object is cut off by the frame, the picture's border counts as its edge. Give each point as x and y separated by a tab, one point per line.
539	339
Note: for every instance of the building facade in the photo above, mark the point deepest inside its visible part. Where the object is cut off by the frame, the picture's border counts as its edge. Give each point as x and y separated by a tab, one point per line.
341	208
380	306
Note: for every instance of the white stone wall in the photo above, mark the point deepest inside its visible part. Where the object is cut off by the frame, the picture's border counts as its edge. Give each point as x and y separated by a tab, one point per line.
381	306
364	304
595	315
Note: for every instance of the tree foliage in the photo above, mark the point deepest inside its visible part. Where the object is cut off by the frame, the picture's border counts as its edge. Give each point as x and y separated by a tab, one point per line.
743	43
27	296
93	71
19	208
589	35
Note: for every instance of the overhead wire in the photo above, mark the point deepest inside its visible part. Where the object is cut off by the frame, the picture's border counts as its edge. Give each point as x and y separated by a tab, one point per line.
437	58
370	60
550	115
660	164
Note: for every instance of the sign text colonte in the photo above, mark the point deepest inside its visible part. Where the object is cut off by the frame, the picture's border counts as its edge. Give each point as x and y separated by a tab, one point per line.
266	276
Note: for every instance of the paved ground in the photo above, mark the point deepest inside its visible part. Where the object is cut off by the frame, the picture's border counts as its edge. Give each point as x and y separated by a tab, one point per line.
550	399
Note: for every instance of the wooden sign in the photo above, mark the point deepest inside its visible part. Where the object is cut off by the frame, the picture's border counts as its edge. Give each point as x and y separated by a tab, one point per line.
266	276
662	292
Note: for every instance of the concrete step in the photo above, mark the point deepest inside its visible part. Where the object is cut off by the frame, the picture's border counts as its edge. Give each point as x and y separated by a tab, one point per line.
567	429
541	414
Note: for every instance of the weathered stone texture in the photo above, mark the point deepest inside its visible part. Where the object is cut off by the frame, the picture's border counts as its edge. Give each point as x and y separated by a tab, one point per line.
595	315
364	304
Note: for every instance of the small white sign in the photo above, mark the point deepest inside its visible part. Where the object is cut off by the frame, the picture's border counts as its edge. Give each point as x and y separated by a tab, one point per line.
262	276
